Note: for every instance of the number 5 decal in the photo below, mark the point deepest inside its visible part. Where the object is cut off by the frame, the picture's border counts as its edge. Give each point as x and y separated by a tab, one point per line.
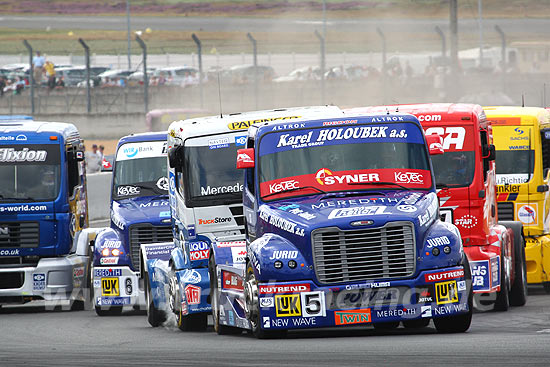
313	304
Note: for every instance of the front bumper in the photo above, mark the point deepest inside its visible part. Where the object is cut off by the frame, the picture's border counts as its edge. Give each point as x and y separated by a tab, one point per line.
117	286
436	293
52	279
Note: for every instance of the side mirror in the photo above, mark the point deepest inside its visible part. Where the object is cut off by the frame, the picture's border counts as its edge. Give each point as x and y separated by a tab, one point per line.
245	158
174	157
435	144
542	188
489	153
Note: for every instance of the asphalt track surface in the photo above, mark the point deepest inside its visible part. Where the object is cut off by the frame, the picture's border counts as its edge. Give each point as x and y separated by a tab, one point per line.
35	336
515	26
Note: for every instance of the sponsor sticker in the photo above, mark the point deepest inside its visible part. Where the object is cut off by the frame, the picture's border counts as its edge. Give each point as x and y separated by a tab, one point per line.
287	288
446	292
480	275
113	301
231	244
357	211
110	287
406	208
108	260
238	254
283	254
288	305
198	251
240	141
527	214
426	311
313	304
102	272
193	294
232	281
444	275
39	281
267	302
360	316
111	244
218	143
466	221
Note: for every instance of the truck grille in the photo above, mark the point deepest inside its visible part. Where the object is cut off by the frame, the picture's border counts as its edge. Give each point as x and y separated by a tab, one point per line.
505	211
361	254
237	212
144	233
19	234
11	280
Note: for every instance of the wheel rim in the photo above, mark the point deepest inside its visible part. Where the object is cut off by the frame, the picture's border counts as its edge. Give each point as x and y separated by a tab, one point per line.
172	302
214	299
251	300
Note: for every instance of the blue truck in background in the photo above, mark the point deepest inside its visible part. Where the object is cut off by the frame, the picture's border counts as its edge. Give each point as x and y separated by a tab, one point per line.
342	228
44	240
140	214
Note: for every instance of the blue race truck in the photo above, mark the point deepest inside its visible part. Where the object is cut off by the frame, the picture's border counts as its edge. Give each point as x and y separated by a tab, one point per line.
206	207
139	214
342	228
44	240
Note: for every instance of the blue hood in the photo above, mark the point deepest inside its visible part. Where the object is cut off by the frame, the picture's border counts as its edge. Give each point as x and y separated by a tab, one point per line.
312	212
149	209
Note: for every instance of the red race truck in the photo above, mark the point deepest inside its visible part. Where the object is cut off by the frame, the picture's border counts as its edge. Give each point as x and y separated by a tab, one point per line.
465	179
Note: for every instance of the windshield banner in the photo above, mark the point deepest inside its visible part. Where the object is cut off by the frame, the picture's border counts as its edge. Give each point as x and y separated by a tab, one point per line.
304	138
29	154
327	180
145	149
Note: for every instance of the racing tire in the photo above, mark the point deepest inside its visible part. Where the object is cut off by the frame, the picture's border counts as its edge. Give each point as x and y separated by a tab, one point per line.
459	323
155	317
111	311
386	325
416	324
251	285
518	293
189	322
502	303
86	288
214	300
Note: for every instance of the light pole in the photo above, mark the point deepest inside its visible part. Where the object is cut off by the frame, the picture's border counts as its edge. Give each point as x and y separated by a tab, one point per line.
128	32
480	21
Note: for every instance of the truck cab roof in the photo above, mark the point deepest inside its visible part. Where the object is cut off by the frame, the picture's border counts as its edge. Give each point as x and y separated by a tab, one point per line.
150	136
66	130
242	121
516	115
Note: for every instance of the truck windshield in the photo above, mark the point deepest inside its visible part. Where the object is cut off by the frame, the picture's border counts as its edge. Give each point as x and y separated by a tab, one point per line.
342	158
211	174
140	170
454	169
514	166
29	172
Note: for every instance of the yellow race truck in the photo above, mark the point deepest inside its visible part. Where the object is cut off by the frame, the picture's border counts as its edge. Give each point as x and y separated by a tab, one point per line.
522	139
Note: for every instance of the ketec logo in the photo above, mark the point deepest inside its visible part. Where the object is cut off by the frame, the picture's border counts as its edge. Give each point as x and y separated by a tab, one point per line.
283	186
325	177
216	220
288	288
409	177
444	275
453	135
193	294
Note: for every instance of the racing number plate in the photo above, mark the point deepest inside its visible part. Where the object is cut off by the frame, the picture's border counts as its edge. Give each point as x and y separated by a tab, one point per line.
109	287
446	215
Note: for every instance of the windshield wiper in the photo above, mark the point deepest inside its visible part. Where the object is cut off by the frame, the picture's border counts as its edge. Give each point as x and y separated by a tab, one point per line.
295	189
379	183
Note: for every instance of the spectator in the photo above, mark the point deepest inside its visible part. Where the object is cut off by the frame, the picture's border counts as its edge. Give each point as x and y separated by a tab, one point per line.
50	74
19	85
2	85
38	67
102	151
60	83
93	160
120	82
162	79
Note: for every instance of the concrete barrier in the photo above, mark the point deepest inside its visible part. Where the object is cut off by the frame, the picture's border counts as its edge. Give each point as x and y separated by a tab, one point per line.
99	195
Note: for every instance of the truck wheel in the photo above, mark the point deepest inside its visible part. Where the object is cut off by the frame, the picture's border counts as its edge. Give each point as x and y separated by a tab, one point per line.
459	323
214	300
111	311
155	317
252	308
518	293
416	324
189	322
502	302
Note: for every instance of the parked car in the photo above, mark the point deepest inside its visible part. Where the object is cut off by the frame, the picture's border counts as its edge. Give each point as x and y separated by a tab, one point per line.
108	77
244	74
177	75
301	74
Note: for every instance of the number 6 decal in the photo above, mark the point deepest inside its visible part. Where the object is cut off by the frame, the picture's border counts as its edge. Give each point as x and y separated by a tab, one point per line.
313	304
